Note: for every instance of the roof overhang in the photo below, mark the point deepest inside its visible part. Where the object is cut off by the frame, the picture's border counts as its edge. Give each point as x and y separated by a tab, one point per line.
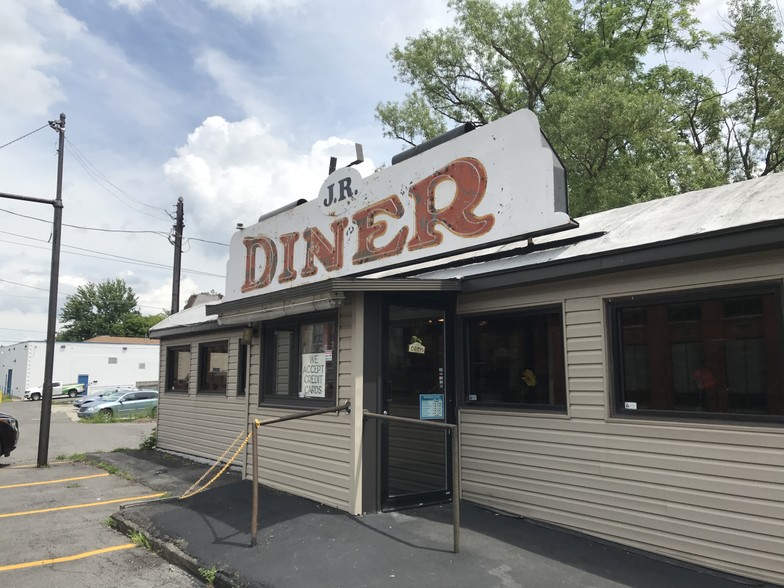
735	241
320	296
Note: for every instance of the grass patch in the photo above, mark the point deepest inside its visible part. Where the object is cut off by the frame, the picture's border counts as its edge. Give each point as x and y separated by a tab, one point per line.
209	574
101	419
140	539
114	470
72	457
111	523
73	485
150	442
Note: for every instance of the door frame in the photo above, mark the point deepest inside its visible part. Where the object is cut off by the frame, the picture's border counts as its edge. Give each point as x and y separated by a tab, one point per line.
374	349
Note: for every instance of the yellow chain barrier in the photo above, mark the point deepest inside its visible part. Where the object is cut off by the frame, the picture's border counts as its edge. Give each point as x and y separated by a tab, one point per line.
191	492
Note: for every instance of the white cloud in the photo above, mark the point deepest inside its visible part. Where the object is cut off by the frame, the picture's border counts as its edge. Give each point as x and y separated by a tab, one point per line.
231	172
238	82
30	87
132	6
249	9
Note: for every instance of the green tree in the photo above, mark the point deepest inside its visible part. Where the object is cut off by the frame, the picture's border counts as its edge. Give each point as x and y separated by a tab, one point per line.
755	119
627	131
106	308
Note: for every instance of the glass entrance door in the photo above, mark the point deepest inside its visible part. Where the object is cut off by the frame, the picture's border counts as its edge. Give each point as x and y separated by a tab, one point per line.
415	459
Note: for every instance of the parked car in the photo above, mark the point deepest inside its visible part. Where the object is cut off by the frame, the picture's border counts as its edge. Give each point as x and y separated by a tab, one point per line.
122	404
96	393
58	389
9	434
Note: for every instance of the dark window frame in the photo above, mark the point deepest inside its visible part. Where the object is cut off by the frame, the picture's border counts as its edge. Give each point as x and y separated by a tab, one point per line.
243	354
722	295
294	325
170	351
205	351
528	407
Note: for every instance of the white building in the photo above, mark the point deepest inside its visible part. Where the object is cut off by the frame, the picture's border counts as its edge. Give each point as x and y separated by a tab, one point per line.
98	361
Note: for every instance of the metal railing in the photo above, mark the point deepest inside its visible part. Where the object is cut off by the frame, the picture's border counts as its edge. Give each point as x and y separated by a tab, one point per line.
452	429
455	464
255	448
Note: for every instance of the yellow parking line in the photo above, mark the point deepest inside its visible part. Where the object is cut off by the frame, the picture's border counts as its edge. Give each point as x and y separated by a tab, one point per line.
54	481
43	562
35	465
85	505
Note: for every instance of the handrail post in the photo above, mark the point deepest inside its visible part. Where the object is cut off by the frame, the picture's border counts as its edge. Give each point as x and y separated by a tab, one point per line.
452	429
254	523
455	489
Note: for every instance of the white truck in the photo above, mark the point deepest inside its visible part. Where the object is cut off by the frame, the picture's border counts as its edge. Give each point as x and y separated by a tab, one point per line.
58	389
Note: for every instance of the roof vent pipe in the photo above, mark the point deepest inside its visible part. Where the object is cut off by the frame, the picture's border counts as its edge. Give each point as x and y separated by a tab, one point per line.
282	209
448	136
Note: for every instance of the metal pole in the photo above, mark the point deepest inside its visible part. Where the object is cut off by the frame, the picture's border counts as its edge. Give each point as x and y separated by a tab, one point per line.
254	523
455	489
255	449
455	464
46	400
179	226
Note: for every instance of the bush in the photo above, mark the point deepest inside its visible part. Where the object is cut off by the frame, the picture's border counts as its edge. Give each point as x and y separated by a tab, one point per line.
151	441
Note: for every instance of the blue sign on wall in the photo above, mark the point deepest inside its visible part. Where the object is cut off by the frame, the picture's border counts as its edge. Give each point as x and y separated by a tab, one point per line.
431	407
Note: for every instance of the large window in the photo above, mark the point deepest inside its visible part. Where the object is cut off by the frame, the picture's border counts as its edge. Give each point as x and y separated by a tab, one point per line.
517	360
213	367
713	354
178	368
300	361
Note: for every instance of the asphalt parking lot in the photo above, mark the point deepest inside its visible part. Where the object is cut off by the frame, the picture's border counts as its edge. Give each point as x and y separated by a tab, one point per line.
68	436
55	525
54	521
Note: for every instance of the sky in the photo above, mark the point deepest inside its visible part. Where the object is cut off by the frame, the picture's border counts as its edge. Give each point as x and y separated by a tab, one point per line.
234	105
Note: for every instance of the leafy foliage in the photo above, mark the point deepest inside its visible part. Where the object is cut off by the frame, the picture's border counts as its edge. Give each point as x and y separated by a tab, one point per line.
107	308
626	131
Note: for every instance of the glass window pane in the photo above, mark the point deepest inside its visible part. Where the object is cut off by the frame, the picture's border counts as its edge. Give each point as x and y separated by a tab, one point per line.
214	367
178	369
706	354
300	360
517	359
283	343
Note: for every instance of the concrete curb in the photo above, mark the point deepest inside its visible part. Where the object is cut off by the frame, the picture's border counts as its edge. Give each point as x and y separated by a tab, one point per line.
172	553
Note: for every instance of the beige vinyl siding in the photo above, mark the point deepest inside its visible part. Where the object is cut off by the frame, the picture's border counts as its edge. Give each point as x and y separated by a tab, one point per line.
202	424
706	492
310	457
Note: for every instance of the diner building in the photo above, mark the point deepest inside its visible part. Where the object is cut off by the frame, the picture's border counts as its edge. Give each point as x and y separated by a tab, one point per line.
618	374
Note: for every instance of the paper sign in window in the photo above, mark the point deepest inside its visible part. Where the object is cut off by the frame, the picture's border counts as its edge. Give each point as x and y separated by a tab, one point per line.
313	375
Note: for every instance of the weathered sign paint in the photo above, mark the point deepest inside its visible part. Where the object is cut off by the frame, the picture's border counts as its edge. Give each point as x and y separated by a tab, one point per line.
491	185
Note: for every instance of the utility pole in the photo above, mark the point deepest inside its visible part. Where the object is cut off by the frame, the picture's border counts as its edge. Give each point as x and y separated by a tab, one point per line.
54	278
46	400
178	228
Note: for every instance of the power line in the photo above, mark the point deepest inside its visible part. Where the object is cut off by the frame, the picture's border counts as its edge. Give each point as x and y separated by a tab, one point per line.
23	136
159	233
111	257
100	178
206	241
24	285
22	330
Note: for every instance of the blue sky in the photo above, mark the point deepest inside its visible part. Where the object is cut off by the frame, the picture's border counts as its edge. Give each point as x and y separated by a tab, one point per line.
235	105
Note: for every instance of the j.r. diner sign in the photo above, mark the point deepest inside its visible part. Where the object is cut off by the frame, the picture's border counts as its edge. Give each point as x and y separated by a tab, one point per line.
494	184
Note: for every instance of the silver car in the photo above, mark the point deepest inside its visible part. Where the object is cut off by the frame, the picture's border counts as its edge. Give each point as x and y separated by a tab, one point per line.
97	393
122	405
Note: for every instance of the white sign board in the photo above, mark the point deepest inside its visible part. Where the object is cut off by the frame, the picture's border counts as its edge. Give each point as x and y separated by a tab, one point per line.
314	371
493	184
